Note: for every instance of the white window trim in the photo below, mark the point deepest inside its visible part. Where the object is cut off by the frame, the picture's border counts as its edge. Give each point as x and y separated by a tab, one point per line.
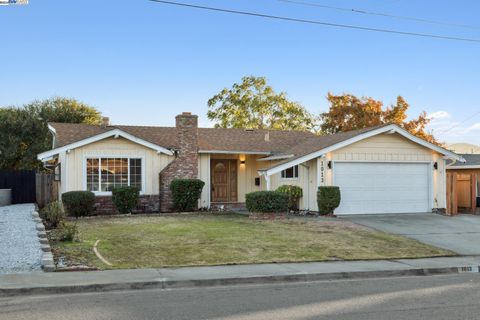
117	156
291	179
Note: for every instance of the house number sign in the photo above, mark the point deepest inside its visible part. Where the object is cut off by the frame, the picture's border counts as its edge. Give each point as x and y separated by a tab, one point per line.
322	172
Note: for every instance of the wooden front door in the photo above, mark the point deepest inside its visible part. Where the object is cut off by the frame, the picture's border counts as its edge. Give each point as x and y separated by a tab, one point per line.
224	180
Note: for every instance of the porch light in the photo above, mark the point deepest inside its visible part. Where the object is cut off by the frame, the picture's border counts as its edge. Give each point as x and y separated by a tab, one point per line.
435	165
329	164
242	161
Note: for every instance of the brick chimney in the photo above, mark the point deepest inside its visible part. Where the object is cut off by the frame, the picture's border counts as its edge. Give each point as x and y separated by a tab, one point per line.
185	165
105	121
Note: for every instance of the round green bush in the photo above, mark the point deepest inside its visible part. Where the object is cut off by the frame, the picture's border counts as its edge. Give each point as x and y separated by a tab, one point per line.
125	198
267	202
78	203
185	193
328	199
52	214
294	194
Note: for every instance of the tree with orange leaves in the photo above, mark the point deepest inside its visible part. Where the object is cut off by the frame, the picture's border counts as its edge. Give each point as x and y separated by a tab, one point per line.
348	112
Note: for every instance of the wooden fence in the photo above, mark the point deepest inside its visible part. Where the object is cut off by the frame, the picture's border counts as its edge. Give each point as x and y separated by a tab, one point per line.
46	188
461	193
22	183
29	186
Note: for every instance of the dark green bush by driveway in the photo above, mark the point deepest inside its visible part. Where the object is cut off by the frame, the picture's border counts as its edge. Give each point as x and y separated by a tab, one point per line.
185	193
125	198
78	203
267	201
328	199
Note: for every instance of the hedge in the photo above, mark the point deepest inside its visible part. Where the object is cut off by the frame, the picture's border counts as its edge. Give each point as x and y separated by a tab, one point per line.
267	201
185	193
294	194
125	198
328	199
78	203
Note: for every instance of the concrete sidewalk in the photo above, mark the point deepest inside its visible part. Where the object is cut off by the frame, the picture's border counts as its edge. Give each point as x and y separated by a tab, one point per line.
91	281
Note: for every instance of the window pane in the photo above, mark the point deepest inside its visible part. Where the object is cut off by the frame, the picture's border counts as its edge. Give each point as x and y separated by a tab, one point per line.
290	172
136	173
92	174
113	172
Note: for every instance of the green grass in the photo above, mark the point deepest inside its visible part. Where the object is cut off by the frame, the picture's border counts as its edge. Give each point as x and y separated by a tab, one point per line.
147	242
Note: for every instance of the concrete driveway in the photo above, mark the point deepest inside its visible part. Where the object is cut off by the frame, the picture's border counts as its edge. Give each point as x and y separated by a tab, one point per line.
460	234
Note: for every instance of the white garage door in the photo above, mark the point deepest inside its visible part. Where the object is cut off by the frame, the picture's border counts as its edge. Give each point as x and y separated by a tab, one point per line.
369	188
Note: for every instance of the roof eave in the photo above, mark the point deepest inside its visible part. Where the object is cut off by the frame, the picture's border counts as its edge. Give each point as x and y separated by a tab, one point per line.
111	133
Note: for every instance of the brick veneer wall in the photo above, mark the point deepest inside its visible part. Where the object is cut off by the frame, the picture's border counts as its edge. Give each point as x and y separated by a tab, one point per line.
185	165
146	204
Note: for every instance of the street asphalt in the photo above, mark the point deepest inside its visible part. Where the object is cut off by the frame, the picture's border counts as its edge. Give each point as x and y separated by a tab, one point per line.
447	297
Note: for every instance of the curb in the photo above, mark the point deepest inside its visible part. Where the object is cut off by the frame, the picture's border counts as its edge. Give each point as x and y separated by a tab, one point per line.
177	284
47	257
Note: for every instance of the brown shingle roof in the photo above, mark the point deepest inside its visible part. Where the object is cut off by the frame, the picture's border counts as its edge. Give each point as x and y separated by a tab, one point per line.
209	138
294	143
317	143
67	133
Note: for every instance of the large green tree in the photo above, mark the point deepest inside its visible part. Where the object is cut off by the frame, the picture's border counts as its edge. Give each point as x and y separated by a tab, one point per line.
348	112
24	132
253	104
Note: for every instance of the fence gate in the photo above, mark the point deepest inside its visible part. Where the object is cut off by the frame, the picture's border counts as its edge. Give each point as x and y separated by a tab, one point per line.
22	183
461	193
47	188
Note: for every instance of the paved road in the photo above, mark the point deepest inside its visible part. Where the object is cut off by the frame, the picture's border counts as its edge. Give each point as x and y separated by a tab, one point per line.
434	297
460	234
19	246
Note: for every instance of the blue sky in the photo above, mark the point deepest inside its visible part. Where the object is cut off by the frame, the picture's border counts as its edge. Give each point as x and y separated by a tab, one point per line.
141	62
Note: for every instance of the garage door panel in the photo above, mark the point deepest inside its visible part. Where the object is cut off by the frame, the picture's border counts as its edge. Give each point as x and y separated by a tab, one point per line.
371	188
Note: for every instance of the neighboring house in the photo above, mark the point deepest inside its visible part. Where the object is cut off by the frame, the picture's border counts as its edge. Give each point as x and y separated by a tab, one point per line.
467	183
379	170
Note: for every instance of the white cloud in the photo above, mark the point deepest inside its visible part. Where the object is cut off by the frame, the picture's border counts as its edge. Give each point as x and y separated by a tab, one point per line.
475	127
438	115
446	128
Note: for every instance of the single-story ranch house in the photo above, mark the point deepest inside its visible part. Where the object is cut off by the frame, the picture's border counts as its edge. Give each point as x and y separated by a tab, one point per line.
382	169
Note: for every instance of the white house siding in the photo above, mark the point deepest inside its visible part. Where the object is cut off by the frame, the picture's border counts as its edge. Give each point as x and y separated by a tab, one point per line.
307	180
74	166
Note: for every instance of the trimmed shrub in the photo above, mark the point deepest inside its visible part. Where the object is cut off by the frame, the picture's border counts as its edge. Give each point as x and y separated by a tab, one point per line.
125	198
185	193
52	214
328	199
267	201
78	203
66	232
294	194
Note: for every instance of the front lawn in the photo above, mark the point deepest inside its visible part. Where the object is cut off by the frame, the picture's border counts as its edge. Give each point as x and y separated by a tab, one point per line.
155	241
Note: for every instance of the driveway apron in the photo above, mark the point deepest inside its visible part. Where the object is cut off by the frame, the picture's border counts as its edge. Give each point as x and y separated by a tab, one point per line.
460	234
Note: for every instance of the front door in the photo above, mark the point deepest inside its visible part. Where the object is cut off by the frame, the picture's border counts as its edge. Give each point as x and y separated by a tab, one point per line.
224	180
